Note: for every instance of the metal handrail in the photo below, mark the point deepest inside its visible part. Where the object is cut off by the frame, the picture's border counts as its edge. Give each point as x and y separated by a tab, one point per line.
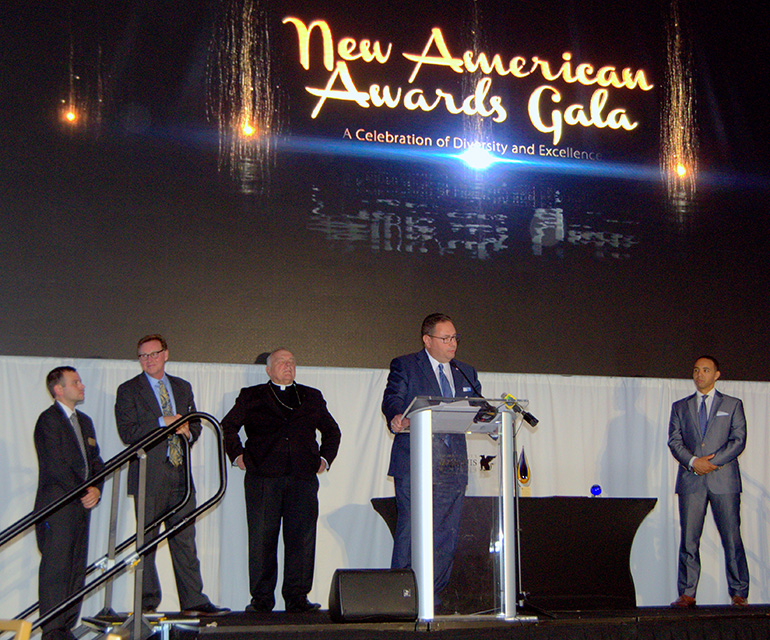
112	465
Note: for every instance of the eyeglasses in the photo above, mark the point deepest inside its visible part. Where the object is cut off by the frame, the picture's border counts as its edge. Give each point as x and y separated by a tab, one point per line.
447	339
150	356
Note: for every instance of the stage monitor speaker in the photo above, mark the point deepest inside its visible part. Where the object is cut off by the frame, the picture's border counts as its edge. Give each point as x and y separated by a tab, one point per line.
373	595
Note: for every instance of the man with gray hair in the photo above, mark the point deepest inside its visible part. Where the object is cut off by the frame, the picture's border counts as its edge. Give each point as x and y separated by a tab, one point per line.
282	460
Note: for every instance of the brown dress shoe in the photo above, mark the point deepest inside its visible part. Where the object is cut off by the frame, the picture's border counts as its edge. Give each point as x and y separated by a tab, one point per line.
684	602
740	601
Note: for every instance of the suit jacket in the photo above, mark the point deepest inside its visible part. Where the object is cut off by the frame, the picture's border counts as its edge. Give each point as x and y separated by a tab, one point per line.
725	437
136	413
61	465
281	442
411	376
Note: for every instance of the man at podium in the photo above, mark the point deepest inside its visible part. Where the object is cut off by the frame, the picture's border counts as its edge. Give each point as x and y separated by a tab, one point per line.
430	372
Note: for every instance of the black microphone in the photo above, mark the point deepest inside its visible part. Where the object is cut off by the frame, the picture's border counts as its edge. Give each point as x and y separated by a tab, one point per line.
487	412
511	403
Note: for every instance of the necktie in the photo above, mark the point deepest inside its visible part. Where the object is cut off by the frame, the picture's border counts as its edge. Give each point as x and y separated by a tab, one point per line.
174	444
703	417
79	437
446	390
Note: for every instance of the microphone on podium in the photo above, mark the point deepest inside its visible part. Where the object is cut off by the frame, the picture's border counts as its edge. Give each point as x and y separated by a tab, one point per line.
487	412
510	403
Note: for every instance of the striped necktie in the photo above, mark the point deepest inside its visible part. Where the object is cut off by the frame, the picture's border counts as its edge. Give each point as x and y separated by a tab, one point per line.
446	389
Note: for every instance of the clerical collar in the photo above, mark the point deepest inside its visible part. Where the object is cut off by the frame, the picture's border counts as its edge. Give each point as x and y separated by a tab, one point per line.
284	393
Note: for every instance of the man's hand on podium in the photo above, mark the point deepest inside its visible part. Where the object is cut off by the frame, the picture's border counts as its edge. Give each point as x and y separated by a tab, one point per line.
399	423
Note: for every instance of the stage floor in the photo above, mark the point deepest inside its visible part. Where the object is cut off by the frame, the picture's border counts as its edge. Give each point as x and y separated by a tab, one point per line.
706	623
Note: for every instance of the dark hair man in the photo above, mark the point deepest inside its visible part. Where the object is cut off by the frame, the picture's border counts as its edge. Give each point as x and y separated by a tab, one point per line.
706	434
67	455
433	371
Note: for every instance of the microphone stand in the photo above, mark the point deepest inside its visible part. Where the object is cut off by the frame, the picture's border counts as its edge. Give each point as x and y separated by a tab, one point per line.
522	598
510	402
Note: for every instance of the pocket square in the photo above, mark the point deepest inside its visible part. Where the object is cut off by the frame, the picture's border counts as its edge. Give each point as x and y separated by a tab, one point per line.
722	413
92	442
466	389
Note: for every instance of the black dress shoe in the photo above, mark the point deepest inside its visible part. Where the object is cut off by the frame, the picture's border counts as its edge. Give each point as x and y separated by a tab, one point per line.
206	609
258	607
301	606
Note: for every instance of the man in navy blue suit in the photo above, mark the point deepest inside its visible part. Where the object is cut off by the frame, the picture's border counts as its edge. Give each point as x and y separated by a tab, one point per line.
706	434
430	372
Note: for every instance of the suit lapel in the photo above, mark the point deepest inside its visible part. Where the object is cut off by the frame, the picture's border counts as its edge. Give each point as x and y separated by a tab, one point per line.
180	397
692	406
75	460
461	383
715	404
148	395
427	371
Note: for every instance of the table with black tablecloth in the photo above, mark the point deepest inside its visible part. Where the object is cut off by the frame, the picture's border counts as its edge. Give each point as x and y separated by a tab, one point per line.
575	552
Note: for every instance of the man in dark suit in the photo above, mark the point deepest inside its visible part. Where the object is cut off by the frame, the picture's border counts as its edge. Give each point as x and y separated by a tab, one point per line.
430	372
154	400
67	455
282	460
706	434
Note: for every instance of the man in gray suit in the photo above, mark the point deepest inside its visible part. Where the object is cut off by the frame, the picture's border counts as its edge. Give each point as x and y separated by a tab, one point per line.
154	400
706	434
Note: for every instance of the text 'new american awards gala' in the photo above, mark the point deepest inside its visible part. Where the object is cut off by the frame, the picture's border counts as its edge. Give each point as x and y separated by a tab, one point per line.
548	111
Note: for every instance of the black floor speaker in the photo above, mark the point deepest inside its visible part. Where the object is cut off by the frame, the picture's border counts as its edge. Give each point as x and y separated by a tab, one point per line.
373	595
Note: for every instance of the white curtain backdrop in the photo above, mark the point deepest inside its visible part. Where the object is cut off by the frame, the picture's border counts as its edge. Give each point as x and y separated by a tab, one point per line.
593	430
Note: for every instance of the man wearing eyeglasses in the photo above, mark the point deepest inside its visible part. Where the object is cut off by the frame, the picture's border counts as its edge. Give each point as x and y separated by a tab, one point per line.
430	372
154	400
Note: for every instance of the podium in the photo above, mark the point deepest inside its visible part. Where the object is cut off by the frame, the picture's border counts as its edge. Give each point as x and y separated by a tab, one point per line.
430	415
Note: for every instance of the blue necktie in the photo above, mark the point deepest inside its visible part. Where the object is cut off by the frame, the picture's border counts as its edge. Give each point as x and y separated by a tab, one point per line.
446	390
703	417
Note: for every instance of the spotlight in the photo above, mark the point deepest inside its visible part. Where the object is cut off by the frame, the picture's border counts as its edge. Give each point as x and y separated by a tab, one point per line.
681	170
477	158
247	129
